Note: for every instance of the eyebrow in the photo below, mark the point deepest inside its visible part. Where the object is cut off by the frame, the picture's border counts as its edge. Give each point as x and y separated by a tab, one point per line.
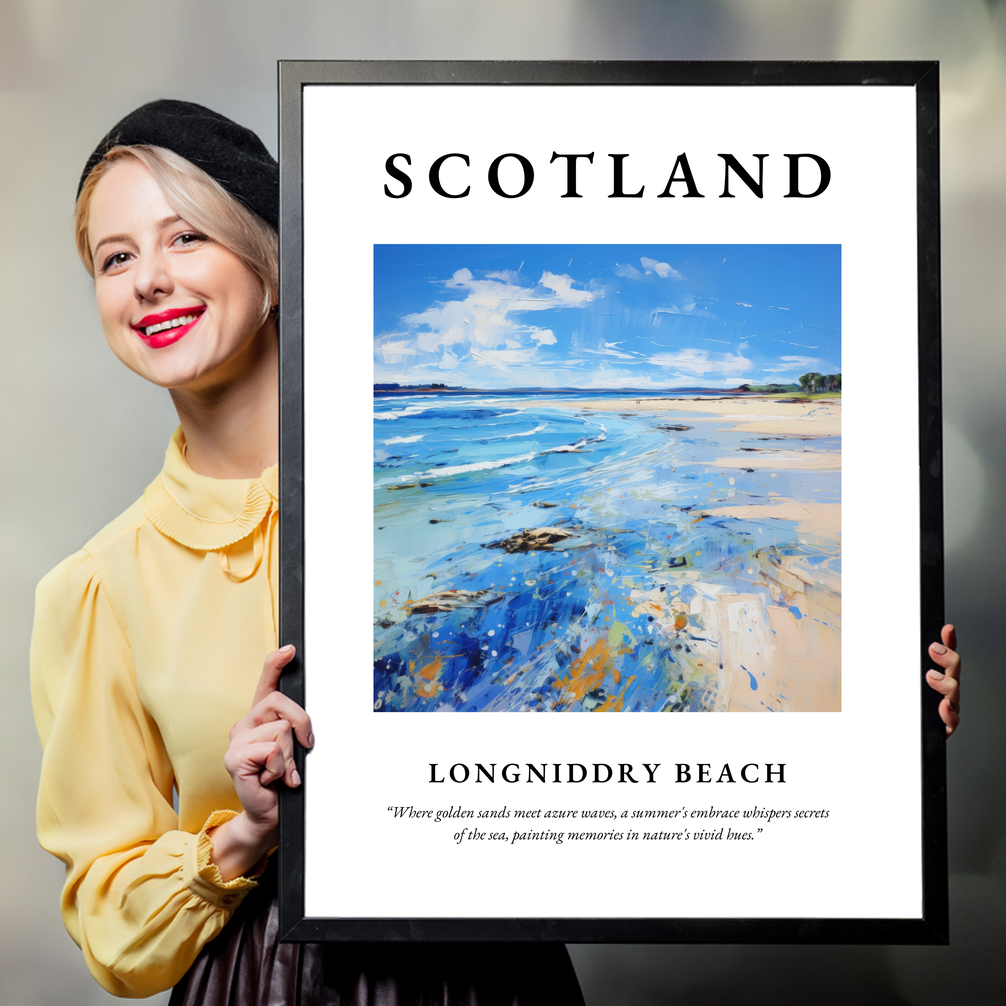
160	225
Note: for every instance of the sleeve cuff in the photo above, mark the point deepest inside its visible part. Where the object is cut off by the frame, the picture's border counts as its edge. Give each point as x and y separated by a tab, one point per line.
202	876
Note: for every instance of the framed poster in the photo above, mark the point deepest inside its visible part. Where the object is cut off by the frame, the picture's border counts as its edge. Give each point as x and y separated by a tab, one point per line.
611	501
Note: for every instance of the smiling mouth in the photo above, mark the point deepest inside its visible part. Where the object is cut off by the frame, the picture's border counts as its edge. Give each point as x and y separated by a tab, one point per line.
168	323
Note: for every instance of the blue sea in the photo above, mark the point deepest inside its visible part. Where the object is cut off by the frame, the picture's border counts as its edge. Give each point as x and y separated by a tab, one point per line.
531	553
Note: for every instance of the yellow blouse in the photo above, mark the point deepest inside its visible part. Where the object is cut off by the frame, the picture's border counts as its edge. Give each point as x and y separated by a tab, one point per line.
147	647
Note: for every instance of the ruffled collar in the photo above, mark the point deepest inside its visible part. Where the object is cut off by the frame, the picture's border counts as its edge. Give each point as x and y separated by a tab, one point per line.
203	513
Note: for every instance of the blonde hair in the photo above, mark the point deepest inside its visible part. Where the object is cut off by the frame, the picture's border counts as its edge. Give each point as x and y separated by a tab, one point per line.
199	200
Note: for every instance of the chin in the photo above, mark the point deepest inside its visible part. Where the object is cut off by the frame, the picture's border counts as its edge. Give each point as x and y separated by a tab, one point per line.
170	374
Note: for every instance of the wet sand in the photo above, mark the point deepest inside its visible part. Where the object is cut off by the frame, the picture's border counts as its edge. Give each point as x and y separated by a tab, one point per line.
819	417
820	519
807	419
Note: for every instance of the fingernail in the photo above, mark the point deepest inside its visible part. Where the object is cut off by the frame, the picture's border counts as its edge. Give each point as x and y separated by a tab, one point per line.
295	777
310	740
936	675
287	649
938	648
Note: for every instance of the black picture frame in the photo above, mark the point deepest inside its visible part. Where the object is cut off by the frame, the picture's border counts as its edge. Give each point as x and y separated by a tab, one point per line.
932	925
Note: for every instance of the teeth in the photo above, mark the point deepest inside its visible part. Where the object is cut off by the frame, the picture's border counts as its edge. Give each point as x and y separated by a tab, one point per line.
174	323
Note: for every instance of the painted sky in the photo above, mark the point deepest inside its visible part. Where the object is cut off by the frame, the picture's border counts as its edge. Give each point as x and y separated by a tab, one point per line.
605	316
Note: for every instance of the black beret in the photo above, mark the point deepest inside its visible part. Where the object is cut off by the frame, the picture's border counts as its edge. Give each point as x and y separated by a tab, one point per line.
230	154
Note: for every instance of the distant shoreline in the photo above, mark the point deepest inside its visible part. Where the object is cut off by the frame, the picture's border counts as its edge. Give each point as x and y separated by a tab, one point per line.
804	418
648	393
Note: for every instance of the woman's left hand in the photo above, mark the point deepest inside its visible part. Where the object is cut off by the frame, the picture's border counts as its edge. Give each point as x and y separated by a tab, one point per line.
260	754
948	681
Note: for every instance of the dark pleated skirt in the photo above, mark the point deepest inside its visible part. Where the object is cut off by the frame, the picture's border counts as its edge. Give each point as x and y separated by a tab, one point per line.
246	965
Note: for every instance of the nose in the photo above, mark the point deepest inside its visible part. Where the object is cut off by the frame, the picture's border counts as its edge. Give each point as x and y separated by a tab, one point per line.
152	277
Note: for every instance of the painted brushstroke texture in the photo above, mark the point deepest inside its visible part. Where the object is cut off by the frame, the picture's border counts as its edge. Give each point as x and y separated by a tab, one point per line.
670	581
605	550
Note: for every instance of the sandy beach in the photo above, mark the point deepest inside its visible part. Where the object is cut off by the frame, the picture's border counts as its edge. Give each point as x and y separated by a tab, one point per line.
811	417
806	419
608	553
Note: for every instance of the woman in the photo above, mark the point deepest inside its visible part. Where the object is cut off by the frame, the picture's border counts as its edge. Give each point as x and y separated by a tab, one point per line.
148	643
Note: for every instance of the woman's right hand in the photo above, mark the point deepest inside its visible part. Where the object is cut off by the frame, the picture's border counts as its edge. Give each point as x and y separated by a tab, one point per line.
948	681
260	753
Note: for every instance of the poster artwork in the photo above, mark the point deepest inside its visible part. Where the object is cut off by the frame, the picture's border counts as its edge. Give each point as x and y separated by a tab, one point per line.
607	477
625	335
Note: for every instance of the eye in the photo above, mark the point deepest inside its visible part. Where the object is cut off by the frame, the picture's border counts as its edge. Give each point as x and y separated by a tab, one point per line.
189	239
115	261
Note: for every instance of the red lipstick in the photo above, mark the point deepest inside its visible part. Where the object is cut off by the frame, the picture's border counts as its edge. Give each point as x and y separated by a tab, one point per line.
166	327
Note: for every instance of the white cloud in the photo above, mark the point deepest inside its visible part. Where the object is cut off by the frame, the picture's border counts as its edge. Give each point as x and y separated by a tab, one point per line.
607	352
564	292
662	269
448	361
796	362
543	336
488	317
700	362
395	348
627	271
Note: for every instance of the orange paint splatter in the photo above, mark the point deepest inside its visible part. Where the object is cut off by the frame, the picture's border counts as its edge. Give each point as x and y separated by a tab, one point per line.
680	621
383	603
431	670
588	671
426	683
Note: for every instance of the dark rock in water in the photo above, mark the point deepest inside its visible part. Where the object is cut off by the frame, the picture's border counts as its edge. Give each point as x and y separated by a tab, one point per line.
408	485
545	505
423	485
534	539
438	520
450	600
677	429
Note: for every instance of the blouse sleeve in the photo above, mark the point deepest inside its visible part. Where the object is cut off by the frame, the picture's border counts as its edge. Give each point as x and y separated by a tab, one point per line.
141	898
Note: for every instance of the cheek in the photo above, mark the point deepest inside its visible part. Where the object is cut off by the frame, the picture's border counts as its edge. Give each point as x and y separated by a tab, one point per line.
246	300
113	310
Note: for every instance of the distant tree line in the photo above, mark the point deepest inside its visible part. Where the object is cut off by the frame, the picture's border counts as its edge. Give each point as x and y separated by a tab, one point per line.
814	382
399	387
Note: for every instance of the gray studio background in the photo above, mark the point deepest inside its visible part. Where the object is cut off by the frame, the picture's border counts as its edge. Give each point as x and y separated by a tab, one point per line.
82	436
